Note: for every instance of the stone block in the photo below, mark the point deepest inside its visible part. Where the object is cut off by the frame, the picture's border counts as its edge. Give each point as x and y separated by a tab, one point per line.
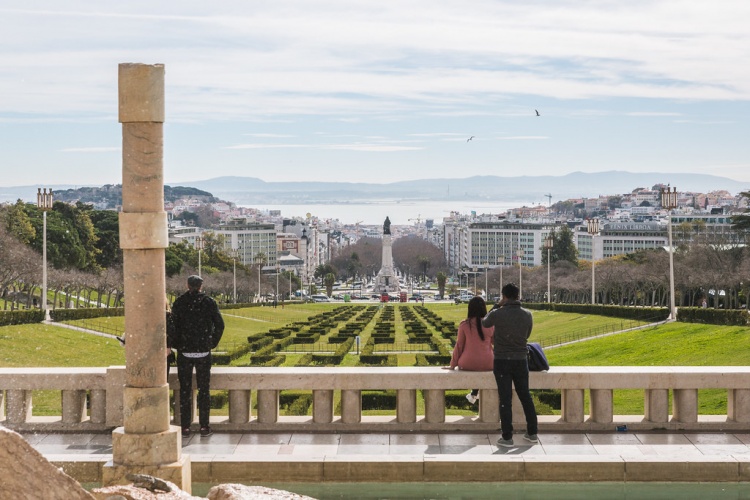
601	406
571	468
146	449
296	470
373	469
268	406
656	405
146	409
434	405
143	230
685	405
141	92
698	469
489	406
456	467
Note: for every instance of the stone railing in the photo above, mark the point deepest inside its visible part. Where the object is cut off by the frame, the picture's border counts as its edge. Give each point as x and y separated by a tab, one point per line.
92	398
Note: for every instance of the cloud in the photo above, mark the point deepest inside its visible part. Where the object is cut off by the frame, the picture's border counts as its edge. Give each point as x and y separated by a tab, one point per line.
523	138
92	150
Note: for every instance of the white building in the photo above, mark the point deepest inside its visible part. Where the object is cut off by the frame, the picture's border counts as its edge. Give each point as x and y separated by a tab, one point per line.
250	239
618	238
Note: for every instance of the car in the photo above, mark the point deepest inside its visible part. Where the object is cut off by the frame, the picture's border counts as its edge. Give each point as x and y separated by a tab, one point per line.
320	298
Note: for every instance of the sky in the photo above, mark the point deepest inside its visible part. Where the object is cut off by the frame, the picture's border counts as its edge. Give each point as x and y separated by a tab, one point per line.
380	91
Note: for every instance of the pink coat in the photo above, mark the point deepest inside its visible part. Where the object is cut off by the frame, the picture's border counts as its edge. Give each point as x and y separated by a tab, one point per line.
471	352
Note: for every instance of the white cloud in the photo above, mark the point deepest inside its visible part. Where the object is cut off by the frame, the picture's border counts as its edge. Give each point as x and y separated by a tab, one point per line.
92	150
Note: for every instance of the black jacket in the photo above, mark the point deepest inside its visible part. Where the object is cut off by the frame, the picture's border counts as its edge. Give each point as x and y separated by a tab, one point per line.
513	326
197	321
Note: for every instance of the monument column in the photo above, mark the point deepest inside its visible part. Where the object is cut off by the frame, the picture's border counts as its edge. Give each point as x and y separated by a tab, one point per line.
147	443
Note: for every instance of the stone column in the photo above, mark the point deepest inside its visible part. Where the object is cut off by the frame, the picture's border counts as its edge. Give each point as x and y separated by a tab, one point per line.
146	443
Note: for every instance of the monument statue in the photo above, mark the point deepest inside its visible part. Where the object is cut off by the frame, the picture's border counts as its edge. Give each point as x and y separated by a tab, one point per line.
386	280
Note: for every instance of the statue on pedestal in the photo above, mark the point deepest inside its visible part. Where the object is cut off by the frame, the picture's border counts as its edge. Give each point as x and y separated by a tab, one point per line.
387	225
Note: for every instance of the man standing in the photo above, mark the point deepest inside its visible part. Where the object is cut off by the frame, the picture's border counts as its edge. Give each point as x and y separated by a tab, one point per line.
513	326
199	326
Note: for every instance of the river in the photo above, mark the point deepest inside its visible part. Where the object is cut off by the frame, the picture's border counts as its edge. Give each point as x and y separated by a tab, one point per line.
400	212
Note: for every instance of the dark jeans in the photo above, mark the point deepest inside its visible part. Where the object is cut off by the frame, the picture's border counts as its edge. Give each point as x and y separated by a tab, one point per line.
203	378
509	373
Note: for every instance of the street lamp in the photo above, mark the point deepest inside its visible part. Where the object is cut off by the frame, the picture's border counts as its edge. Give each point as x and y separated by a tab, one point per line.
276	299
44	203
519	254
593	228
199	247
669	201
549	242
501	263
486	274
474	270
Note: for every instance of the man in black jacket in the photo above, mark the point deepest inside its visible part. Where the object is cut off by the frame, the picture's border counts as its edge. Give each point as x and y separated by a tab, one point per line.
513	326
199	326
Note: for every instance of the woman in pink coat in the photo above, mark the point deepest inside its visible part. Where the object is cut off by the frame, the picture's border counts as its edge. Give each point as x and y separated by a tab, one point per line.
473	350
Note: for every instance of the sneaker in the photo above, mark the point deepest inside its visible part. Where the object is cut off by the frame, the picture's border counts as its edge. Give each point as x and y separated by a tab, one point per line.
186	432
206	431
507	443
531	438
472	398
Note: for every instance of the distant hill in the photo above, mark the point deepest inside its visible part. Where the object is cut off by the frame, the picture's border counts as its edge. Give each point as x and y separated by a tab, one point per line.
522	189
253	191
108	196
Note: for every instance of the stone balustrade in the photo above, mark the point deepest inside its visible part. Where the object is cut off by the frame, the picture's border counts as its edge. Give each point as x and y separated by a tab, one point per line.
102	389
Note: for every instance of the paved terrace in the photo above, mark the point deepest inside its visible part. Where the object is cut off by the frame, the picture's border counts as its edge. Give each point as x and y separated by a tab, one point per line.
442	457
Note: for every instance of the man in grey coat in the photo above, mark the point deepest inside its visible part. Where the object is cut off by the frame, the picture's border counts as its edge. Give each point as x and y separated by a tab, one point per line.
513	326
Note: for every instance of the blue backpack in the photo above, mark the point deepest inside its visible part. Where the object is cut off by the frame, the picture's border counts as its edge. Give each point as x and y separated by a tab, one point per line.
537	360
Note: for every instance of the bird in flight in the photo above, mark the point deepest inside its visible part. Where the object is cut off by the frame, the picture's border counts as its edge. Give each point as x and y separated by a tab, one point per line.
470	138
537	113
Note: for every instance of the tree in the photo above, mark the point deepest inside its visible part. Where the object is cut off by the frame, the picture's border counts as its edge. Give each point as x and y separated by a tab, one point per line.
441	279
107	230
17	222
741	223
328	280
563	248
323	270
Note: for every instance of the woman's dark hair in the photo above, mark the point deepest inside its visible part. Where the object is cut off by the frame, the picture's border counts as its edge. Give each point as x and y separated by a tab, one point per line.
478	310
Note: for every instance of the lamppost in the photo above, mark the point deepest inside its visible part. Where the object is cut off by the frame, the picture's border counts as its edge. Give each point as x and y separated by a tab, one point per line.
592	226
199	247
501	263
260	264
549	242
669	201
474	270
276	299
44	202
519	254
486	274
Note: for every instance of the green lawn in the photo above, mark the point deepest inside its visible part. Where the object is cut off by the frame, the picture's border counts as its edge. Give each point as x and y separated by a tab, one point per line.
674	344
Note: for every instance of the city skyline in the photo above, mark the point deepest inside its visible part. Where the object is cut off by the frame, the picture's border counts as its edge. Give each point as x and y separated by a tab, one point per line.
374	92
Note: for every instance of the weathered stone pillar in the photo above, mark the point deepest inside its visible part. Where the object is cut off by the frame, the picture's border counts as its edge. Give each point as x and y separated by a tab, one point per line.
685	405
351	406
322	406
489	405
601	410
146	443
406	406
656	405
572	405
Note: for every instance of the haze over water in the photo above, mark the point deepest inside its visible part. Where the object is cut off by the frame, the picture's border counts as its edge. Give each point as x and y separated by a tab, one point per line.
375	212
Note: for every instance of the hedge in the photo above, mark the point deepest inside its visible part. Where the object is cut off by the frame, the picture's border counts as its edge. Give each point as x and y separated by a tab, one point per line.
21	317
650	314
731	317
86	313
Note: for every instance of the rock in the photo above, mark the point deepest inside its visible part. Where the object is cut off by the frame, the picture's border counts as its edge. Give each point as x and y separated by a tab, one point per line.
242	492
21	465
142	492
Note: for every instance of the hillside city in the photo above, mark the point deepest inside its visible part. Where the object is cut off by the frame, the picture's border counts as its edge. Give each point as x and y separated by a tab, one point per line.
602	227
